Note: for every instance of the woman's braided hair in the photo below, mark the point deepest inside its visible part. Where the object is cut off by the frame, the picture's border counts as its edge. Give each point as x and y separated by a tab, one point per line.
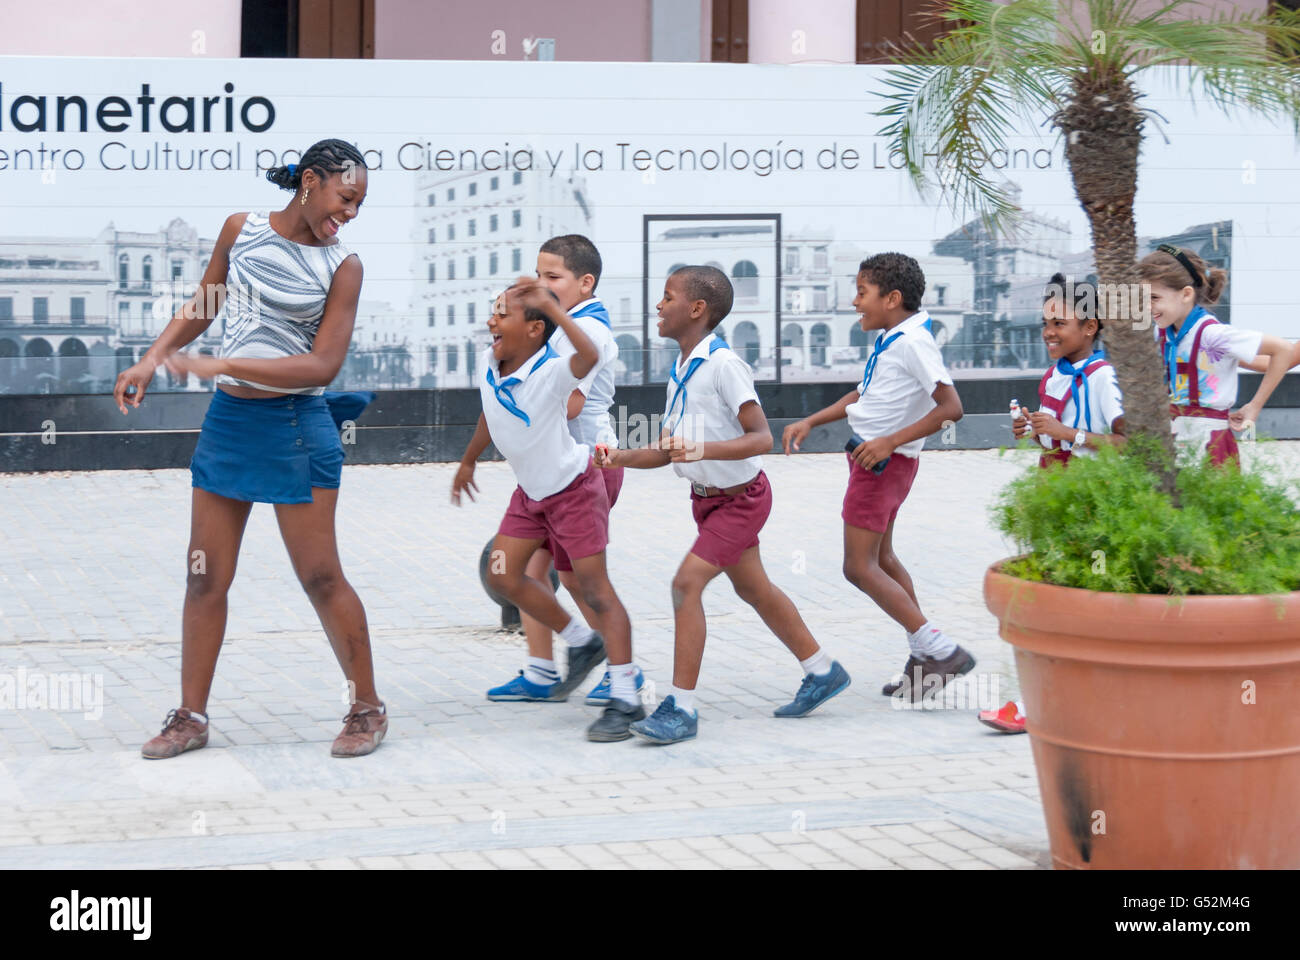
324	156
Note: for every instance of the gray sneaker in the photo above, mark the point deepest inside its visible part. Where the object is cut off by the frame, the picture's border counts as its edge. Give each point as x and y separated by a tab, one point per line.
581	662
668	724
613	723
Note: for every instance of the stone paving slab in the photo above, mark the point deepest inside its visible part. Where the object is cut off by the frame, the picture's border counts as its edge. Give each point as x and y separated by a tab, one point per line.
91	588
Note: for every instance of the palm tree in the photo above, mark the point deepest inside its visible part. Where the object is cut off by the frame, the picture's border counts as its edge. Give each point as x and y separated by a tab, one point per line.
1078	63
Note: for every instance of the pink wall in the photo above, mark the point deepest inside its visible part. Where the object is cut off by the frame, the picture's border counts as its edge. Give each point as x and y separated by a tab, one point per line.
827	28
582	29
117	28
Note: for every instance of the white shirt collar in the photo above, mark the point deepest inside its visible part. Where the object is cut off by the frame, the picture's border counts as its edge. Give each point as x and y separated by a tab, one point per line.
580	306
701	350
917	319
525	368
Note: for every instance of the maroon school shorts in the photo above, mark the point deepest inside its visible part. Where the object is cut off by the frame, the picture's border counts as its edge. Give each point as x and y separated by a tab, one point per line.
613	484
872	499
729	525
575	519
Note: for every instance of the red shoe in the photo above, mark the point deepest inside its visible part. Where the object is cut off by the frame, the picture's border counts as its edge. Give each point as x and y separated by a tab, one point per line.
1006	720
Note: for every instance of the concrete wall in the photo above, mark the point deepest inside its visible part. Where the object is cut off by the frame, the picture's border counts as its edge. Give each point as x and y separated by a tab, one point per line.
812	31
121	28
422	29
582	30
417	426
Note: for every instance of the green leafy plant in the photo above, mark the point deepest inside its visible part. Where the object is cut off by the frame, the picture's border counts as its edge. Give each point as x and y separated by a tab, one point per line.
1104	523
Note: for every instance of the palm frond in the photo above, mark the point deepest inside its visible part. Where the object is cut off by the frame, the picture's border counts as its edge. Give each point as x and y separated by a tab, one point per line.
1016	61
1233	60
958	102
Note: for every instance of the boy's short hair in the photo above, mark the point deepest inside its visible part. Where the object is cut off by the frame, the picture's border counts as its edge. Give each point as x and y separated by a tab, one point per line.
541	316
710	285
579	254
896	271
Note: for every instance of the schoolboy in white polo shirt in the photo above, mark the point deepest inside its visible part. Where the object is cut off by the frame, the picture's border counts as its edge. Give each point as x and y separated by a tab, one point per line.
561	496
905	396
714	434
570	267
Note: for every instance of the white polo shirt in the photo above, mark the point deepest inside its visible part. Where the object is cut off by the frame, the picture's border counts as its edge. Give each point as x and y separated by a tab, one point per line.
593	425
906	373
1223	347
1104	405
707	409
541	451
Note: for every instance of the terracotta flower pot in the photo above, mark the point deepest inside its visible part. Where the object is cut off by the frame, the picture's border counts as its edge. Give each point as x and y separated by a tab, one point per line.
1165	731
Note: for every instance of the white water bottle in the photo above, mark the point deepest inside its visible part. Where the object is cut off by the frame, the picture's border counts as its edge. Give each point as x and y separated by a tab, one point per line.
1017	412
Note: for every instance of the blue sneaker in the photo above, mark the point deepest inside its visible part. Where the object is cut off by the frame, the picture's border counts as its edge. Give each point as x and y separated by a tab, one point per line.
814	691
599	695
667	724
521	688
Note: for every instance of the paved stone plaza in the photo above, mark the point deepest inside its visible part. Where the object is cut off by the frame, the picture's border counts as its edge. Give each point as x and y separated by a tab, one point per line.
92	584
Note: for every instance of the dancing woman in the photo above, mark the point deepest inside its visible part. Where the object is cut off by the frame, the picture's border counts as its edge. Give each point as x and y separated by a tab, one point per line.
290	289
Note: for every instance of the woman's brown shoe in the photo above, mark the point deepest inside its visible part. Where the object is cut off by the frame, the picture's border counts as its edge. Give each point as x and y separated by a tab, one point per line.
363	729
180	732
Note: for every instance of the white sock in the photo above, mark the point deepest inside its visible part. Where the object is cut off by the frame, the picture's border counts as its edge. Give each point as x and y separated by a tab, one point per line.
930	642
200	717
541	672
622	682
819	664
576	633
685	699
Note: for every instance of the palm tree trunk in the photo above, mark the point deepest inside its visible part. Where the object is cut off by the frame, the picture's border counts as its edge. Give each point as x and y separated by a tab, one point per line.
1103	134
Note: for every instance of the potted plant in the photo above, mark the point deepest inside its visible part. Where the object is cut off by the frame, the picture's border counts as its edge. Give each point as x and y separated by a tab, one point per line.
1158	650
1154	613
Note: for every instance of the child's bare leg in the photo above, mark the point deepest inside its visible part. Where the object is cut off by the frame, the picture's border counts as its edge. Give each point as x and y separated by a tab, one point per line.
570	581
862	568
607	611
770	602
537	634
507	576
689	624
890	563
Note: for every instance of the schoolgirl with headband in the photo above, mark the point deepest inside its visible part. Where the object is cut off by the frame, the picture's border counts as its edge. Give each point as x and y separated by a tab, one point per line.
1201	355
289	290
714	434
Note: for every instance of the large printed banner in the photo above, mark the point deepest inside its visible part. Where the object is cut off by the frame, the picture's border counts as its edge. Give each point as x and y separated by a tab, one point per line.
115	177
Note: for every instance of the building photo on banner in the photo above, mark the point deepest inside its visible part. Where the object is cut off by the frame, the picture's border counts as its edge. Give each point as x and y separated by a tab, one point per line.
951	567
116	178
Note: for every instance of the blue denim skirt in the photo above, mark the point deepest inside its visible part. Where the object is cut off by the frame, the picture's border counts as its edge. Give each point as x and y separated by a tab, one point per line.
267	450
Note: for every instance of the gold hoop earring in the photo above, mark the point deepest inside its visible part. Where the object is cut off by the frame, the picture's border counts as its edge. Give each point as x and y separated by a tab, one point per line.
303	201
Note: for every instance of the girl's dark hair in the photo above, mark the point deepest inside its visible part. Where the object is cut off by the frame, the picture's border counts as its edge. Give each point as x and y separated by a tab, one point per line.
324	156
1080	295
